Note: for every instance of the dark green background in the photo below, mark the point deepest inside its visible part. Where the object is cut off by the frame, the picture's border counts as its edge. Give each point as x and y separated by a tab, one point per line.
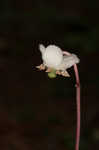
37	112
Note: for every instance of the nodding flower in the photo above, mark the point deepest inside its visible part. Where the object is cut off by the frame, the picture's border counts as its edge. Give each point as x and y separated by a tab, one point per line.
54	60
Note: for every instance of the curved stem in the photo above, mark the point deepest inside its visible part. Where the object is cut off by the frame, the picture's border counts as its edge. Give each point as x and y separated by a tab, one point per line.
78	107
77	103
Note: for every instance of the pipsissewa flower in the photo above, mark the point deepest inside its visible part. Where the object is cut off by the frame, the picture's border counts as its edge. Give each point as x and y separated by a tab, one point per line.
55	62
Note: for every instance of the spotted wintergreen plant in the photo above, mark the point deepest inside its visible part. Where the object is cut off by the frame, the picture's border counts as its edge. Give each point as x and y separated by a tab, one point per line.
56	62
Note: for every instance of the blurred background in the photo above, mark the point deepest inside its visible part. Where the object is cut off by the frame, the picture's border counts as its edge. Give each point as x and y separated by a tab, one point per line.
37	112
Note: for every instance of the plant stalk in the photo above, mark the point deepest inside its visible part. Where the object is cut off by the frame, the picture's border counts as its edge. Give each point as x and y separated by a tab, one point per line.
77	103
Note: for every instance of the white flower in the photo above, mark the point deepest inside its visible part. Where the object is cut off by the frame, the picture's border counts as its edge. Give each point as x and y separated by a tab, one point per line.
52	56
68	61
54	59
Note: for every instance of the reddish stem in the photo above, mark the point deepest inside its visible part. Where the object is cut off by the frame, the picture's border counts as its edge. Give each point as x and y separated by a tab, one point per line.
77	103
78	107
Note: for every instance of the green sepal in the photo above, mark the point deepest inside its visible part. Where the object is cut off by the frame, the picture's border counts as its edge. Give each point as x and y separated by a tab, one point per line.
52	74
